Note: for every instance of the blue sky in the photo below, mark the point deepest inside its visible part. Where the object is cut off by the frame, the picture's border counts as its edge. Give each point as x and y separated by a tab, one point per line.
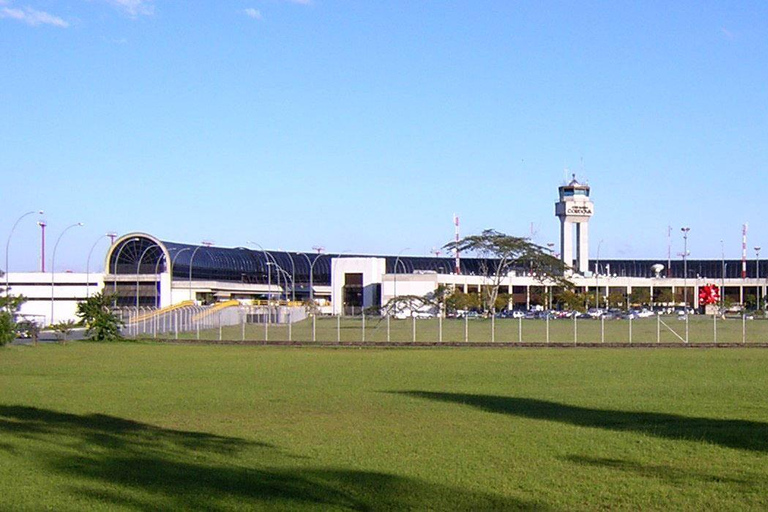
364	125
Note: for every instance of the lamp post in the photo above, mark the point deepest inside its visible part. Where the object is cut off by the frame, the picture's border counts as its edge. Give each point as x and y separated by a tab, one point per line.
191	259
551	247
157	277
286	277
114	274
269	291
597	275
293	277
138	268
757	275
685	231
267	258
8	244
311	276
722	277
53	263
284	285
173	263
394	284
88	263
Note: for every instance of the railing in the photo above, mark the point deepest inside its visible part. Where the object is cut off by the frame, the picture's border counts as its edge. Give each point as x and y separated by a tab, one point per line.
262	323
191	319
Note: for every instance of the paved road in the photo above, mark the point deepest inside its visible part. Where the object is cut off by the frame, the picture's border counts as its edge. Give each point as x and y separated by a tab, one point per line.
50	337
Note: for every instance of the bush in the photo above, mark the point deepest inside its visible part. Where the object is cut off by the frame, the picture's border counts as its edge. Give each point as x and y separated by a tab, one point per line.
100	322
9	304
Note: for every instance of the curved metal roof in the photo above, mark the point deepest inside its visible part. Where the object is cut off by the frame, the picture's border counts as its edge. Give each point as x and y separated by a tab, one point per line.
140	253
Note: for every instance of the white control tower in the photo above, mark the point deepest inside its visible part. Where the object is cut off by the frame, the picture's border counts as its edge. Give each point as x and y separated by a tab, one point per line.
574	211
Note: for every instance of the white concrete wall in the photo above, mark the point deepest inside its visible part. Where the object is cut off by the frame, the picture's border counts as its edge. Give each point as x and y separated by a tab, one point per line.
69	288
372	269
407	284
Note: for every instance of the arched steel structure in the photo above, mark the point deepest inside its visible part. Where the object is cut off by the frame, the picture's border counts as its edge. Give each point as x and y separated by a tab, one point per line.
140	256
238	264
248	265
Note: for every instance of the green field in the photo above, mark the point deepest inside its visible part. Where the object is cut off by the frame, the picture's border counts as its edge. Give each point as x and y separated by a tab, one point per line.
646	330
165	427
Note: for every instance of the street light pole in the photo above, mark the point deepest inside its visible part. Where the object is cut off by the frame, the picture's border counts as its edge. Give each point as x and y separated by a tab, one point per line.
191	259
269	291
157	278
8	244
267	258
722	277
88	263
114	274
138	268
394	284
53	264
685	231
293	277
173	263
597	276
311	276
757	275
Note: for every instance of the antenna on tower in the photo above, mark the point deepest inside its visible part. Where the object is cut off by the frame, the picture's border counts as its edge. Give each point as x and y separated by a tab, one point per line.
456	229
42	225
533	231
744	229
669	249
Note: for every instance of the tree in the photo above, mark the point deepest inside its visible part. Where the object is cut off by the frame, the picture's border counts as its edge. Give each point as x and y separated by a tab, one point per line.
100	322
409	305
503	254
460	301
570	300
665	296
9	305
640	296
616	299
30	327
440	296
63	329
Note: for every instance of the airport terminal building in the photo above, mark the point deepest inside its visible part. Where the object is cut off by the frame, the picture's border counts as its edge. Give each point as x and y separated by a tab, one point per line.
144	271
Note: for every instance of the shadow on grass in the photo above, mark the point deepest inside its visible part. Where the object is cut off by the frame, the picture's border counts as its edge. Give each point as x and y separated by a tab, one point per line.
739	434
109	462
658	471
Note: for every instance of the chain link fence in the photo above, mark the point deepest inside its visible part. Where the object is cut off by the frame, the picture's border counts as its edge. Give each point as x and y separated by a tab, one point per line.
203	321
296	324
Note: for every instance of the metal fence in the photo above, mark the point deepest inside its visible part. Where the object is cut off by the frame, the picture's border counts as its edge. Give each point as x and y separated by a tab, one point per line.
180	322
285	323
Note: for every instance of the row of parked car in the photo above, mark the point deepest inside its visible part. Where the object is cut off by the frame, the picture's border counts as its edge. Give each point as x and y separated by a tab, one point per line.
593	313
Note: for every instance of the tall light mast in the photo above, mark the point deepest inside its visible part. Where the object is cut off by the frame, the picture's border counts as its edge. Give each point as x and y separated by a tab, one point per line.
744	250
42	225
456	230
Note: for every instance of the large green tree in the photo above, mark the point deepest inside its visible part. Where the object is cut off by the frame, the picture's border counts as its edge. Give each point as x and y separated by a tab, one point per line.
460	301
9	305
640	296
501	255
100	321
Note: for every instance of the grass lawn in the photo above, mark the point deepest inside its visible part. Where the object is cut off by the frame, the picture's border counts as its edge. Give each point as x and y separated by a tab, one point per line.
670	330
151	427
